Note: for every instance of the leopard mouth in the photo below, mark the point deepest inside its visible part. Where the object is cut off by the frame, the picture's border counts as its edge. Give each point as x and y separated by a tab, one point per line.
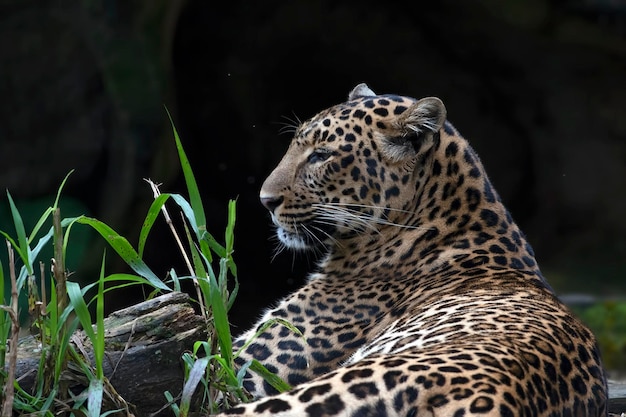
306	236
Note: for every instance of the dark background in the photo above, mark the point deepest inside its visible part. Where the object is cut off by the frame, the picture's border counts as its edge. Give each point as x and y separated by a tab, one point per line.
538	87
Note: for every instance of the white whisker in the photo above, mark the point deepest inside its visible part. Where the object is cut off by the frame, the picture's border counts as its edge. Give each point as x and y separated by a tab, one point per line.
314	236
291	125
349	214
348	206
330	237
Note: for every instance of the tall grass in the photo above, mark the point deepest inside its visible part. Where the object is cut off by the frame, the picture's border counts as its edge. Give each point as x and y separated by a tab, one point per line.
209	368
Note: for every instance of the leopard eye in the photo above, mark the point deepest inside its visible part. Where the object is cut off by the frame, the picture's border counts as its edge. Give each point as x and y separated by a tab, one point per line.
319	155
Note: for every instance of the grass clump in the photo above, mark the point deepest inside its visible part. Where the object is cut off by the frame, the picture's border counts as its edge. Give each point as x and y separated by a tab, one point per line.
209	368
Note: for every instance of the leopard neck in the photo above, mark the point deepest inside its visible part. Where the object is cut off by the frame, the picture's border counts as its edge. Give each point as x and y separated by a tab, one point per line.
455	220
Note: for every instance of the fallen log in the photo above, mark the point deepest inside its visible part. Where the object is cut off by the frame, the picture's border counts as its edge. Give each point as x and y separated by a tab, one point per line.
143	344
617	398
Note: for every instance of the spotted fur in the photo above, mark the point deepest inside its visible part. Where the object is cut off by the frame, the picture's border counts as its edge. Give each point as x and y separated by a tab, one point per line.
428	301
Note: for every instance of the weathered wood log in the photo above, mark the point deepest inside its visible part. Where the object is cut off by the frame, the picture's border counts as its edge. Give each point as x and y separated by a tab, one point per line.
617	398
144	344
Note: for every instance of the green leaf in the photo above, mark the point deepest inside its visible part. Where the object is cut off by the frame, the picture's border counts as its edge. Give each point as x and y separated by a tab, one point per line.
266	325
198	264
195	376
22	248
98	344
204	237
56	201
19	224
80	307
170	399
220	318
124	250
39	224
192	189
233	293
151	216
192	186
230	236
2	300
5	322
230	227
228	372
241	374
94	395
271	378
43	241
175	280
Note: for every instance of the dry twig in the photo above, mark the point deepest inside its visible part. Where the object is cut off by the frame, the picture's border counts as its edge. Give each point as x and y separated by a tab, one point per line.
156	192
9	388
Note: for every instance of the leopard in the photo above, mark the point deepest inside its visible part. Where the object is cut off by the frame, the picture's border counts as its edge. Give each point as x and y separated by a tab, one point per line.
426	299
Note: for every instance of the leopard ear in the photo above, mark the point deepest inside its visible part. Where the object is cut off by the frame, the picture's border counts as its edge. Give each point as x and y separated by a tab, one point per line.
361	90
427	114
413	130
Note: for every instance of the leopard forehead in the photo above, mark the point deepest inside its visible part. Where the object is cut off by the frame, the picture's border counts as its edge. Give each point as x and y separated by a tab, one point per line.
360	113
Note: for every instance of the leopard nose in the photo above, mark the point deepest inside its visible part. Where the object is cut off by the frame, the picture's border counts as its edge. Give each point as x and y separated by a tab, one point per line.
271	202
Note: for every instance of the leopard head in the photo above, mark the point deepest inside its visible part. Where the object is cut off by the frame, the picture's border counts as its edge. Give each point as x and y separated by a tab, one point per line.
352	169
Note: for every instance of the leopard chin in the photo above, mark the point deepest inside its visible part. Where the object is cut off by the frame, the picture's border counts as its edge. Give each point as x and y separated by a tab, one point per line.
291	240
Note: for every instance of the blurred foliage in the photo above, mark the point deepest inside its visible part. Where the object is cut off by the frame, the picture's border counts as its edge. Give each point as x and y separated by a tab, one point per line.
31	210
608	322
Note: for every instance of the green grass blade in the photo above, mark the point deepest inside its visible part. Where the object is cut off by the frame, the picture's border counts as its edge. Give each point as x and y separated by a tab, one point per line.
94	395
195	376
21	247
230	236
230	227
241	373
192	189
188	212
124	250
21	278
229	372
175	280
43	241
98	344
39	224
204	237
198	264
192	186
151	216
220	317
170	400
233	294
18	223
266	325
56	200
272	379
5	325
47	405
12	242
2	300
80	307
63	339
